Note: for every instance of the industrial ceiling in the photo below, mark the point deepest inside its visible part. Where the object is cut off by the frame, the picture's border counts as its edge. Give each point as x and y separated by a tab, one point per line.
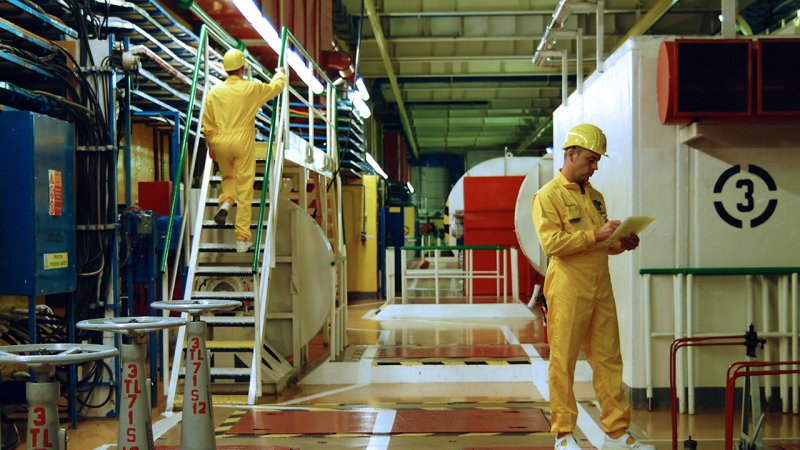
463	69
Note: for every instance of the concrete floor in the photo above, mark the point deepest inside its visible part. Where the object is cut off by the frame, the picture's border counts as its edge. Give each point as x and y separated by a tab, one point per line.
455	411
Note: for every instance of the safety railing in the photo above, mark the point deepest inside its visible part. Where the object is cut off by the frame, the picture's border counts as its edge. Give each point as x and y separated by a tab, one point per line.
684	281
456	264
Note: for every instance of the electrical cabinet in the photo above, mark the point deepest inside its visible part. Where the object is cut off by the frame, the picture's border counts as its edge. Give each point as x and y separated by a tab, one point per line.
38	207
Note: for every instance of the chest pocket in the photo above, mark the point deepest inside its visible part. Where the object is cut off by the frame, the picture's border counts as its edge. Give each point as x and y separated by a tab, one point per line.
573	215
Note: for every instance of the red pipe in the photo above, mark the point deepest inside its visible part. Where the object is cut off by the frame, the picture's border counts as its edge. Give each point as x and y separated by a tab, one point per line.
677	344
734	372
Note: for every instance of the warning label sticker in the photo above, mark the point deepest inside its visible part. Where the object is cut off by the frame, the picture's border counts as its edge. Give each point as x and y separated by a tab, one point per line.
56	192
56	260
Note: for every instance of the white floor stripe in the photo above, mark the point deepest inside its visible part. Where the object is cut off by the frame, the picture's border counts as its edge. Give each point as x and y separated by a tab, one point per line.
510	336
586	424
167	423
384	422
378	442
321	394
590	428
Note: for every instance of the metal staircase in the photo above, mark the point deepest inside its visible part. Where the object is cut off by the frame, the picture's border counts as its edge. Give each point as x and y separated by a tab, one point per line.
249	347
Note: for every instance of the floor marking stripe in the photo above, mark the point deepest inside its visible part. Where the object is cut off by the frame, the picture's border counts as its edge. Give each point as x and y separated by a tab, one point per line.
384	422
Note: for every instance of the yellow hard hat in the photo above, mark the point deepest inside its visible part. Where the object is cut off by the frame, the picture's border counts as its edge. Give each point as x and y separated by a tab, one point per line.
233	60
587	136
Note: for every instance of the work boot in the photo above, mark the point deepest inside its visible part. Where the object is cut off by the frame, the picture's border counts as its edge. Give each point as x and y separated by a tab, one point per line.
625	442
566	442
222	214
243	246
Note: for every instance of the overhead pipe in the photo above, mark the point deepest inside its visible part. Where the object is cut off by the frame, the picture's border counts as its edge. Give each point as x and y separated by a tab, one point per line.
377	30
560	15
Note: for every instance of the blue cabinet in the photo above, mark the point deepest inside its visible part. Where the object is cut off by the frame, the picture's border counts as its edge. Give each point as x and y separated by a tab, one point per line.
37	207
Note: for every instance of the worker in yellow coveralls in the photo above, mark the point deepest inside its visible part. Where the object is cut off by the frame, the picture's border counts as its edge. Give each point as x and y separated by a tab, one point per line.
573	229
229	128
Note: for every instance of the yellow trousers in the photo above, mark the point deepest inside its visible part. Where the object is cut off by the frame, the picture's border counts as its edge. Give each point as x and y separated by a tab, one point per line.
581	313
235	153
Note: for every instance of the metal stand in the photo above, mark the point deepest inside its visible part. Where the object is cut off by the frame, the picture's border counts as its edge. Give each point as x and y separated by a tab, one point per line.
44	431
752	439
197	431
135	424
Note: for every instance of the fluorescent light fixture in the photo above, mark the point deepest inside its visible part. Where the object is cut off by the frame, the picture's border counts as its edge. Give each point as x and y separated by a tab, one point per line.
549	149
362	88
305	74
359	104
265	29
375	166
410	187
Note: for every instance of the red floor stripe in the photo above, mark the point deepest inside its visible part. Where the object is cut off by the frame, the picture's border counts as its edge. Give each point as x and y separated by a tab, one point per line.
471	421
305	422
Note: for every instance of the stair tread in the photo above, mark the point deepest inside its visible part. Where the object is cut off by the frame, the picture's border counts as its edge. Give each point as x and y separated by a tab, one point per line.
218	179
226	372
210	224
223	270
217	345
224	247
227	295
255	202
229	320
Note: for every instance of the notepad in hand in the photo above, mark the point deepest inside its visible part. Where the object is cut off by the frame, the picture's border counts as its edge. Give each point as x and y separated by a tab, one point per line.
631	225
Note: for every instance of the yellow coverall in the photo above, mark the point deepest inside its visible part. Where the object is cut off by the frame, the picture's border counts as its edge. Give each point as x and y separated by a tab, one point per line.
581	308
229	128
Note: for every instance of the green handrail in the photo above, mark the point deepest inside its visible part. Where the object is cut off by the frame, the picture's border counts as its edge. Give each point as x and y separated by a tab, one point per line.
455	247
721	271
176	184
270	145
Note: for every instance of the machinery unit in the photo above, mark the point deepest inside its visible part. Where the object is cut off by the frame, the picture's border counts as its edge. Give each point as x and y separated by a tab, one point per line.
37	180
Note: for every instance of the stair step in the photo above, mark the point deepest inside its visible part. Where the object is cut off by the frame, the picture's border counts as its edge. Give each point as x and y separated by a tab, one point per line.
218	399
216	179
211	225
255	202
226	247
206	295
229	321
231	271
230	346
227	373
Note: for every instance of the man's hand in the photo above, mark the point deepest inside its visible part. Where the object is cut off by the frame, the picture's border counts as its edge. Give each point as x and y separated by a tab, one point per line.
605	232
630	242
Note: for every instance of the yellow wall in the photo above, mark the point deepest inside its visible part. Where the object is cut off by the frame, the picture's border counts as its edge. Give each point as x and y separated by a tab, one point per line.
142	162
362	255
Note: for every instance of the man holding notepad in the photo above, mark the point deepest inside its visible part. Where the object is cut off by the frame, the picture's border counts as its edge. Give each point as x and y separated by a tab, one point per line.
574	231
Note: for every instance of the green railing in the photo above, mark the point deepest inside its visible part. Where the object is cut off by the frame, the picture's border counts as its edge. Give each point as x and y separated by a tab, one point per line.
270	144
184	144
722	271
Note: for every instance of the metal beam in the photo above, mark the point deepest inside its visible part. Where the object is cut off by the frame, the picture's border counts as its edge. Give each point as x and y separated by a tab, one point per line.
375	22
647	21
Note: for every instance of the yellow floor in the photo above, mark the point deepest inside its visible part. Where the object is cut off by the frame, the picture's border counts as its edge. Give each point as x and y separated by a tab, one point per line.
651	427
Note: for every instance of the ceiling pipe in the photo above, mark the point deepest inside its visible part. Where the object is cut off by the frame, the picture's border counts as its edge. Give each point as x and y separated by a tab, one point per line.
377	30
560	15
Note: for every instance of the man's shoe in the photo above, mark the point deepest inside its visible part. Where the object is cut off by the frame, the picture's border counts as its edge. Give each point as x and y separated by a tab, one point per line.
222	214
566	442
243	246
625	442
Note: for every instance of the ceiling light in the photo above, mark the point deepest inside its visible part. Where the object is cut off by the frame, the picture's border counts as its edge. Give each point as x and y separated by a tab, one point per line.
359	104
375	166
362	88
410	187
265	29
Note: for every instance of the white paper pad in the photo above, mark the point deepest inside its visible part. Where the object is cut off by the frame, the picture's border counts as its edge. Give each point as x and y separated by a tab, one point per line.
633	224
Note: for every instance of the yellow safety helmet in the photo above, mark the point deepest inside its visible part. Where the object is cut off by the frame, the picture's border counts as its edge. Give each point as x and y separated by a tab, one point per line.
587	136
233	60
